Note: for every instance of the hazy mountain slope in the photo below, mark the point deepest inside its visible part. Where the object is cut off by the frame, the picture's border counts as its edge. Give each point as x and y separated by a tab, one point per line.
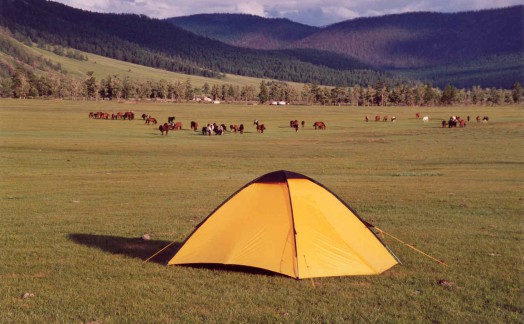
424	39
245	30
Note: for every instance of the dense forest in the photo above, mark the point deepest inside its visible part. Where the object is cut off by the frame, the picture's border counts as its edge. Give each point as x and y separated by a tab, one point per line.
159	44
55	85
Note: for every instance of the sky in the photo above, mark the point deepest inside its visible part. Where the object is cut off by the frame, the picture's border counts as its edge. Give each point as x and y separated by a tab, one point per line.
309	12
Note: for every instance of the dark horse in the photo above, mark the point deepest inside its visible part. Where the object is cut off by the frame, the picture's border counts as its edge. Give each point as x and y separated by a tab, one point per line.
165	128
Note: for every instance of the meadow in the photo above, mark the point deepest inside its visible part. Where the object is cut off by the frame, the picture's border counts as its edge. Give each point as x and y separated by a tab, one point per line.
77	194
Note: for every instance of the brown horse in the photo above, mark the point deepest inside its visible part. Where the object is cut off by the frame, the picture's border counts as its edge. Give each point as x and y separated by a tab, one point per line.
178	126
261	128
319	125
194	125
164	128
241	128
151	120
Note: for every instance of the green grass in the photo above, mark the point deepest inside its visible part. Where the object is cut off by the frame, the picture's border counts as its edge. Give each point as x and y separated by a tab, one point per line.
76	195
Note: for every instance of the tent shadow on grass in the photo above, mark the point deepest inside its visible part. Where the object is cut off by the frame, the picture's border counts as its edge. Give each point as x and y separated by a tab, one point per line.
137	248
128	246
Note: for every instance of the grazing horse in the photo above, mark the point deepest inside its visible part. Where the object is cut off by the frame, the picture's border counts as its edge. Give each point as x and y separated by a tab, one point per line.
219	130
478	119
170	119
164	128
294	124
151	120
393	119
485	119
385	119
377	118
129	115
319	125
462	123
366	118
233	128
177	126
194	125
303	123
425	119
206	130
261	128
91	115
144	116
417	115
452	122
241	128
444	123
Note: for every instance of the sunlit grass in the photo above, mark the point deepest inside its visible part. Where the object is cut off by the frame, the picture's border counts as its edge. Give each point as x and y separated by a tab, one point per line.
77	194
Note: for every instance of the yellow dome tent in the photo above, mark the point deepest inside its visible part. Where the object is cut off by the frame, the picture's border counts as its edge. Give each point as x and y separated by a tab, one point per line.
287	223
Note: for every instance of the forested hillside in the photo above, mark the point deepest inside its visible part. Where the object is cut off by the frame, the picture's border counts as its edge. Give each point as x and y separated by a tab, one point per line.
159	44
424	38
465	49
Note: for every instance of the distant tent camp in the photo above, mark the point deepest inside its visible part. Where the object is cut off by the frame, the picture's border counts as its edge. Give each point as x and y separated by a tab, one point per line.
287	223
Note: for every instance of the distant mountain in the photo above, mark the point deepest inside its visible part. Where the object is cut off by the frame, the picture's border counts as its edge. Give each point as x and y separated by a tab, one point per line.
424	39
245	30
465	48
160	44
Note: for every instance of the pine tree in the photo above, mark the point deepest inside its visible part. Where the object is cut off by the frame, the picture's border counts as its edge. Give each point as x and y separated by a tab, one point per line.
263	95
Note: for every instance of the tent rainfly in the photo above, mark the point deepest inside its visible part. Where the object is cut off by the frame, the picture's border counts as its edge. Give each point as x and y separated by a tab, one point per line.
290	224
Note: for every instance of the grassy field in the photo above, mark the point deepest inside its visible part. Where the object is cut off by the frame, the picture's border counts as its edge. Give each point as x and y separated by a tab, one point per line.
77	194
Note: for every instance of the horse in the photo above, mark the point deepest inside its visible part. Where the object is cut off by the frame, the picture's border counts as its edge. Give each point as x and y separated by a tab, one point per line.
164	128
319	125
177	126
366	119
241	128
377	118
485	119
144	116
425	119
171	119
393	119
194	125
444	123
129	115
385	119
261	128
91	115
255	122
206	130
303	124
417	115
151	120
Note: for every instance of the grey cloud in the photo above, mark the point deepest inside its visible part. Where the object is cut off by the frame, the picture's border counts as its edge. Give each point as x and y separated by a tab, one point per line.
310	12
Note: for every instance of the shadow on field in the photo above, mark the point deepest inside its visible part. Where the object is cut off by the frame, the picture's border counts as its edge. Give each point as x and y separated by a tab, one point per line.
142	249
131	247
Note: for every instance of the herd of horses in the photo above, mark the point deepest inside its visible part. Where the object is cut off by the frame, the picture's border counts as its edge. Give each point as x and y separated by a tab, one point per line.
221	129
454	121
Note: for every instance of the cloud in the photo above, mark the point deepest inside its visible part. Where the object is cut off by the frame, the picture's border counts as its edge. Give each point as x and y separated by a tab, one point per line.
311	12
252	8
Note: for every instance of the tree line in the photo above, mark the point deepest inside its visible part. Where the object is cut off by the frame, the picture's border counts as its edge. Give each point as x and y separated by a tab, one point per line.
53	85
